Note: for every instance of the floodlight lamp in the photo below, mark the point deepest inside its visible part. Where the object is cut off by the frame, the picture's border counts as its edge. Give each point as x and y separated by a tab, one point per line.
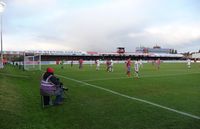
2	6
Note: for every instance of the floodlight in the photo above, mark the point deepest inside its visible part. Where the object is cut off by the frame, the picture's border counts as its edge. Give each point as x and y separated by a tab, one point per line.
2	6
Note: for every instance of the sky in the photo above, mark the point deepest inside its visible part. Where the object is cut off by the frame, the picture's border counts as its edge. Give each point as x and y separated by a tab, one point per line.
101	25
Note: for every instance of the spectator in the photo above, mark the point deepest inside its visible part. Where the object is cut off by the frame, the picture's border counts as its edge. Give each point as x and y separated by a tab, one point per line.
51	85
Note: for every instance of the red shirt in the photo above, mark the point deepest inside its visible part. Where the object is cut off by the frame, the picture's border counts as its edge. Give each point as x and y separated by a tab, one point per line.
81	61
128	63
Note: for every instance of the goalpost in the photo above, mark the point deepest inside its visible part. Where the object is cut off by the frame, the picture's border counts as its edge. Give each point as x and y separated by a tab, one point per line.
1	63
32	61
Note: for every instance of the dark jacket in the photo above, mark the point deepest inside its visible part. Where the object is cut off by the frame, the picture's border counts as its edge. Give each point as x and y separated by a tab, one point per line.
53	79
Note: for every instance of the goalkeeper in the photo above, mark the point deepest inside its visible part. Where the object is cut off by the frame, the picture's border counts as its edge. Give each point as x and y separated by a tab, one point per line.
51	85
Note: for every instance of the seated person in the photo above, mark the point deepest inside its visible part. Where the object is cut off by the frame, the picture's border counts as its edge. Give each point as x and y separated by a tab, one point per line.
50	85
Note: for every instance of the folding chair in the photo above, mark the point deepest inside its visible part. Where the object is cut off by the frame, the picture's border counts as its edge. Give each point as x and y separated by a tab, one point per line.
46	99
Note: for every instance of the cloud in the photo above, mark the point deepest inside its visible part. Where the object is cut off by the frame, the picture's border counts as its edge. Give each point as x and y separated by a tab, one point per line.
95	26
34	3
101	26
175	33
29	44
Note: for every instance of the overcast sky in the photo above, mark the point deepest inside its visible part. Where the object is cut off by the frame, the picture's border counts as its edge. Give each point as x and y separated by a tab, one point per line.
101	25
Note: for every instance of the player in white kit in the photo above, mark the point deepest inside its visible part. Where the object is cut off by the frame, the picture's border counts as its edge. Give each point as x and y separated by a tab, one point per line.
97	64
111	65
189	63
136	68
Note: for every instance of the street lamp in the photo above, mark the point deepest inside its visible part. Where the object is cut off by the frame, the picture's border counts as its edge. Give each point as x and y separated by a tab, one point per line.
2	7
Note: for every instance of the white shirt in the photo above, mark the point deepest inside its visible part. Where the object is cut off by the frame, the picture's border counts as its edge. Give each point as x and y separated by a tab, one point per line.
98	63
188	62
136	66
111	62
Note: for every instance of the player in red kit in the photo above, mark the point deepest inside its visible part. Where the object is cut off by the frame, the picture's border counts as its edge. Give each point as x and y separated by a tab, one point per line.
158	63
107	65
80	63
128	67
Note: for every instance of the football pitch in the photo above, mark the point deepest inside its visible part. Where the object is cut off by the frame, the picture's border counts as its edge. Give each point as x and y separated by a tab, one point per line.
168	98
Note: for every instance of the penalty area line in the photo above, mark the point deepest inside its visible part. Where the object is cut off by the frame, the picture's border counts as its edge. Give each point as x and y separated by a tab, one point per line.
133	98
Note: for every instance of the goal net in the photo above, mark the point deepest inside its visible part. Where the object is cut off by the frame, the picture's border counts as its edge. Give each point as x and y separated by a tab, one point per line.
32	61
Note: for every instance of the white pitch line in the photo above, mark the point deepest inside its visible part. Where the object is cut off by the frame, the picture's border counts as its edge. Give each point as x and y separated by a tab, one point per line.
13	75
90	80
133	98
145	76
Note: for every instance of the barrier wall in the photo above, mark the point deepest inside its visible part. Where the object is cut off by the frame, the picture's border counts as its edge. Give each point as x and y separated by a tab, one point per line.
115	62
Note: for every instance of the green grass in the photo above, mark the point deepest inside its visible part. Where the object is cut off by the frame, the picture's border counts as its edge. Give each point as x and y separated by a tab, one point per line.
87	107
